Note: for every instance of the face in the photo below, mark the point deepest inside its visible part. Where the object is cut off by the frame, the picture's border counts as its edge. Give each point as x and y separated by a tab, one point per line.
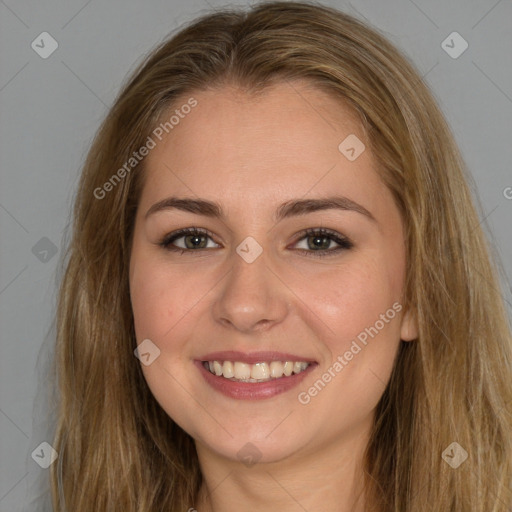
260	281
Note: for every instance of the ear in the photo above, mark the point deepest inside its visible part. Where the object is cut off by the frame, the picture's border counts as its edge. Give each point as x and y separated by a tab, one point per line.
409	326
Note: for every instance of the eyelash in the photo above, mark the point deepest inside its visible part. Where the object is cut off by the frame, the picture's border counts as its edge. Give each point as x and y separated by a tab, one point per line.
343	242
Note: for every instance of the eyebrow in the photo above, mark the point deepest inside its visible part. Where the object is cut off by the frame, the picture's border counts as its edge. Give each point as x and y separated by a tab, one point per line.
288	209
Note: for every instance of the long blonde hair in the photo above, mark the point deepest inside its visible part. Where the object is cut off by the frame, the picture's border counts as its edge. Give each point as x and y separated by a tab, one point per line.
118	449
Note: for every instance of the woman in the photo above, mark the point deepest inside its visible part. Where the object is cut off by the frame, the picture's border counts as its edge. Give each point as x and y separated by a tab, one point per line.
278	295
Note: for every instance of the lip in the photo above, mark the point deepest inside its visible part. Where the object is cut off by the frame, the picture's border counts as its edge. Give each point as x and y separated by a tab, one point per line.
252	390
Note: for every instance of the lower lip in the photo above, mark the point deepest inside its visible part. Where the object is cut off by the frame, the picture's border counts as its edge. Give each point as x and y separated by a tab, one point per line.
252	390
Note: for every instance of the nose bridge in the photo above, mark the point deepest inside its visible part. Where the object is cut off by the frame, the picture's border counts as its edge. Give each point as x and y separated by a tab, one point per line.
251	295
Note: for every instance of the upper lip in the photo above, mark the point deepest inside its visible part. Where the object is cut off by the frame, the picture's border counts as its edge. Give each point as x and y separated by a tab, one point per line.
254	357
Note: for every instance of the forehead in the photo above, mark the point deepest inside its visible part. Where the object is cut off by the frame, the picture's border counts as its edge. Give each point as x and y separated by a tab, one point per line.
282	141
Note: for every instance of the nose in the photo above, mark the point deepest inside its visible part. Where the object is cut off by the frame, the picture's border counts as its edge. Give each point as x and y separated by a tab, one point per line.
252	298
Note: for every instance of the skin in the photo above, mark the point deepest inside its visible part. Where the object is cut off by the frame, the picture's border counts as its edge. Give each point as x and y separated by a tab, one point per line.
251	154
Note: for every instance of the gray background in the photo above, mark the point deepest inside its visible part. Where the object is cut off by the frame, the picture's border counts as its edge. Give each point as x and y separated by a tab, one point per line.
50	109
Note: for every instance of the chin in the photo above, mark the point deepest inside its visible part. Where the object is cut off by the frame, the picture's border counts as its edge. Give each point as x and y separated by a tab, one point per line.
254	445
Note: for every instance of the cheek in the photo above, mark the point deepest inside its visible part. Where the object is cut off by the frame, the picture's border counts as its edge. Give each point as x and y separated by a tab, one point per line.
160	306
358	312
163	296
351	297
149	301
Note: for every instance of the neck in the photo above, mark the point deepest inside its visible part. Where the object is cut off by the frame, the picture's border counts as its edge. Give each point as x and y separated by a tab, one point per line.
326	478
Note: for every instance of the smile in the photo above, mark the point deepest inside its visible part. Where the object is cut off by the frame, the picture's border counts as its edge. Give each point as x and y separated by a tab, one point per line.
256	378
259	372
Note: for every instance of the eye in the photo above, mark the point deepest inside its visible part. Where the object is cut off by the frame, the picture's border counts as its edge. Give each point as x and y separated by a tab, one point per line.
193	238
320	240
317	240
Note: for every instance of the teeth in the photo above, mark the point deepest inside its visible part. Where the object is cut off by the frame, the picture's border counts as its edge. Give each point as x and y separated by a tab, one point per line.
258	372
276	369
242	371
217	368
228	369
288	368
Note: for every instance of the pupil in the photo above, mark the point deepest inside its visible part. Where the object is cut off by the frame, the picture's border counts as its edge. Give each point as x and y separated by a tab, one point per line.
317	242
195	241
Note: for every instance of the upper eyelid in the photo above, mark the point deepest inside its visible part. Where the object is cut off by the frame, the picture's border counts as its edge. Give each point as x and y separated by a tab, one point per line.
188	231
